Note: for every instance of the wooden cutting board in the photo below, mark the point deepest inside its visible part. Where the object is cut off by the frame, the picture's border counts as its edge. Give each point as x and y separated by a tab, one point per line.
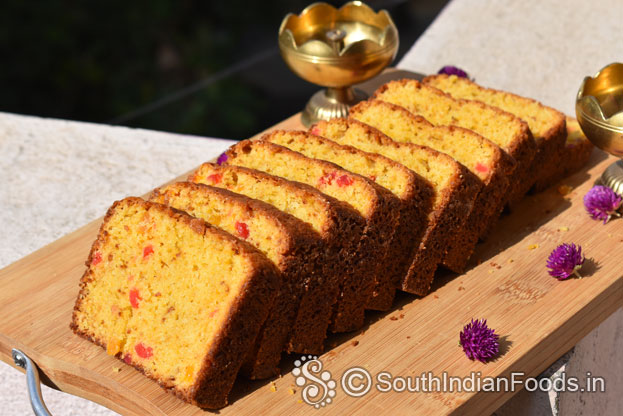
538	317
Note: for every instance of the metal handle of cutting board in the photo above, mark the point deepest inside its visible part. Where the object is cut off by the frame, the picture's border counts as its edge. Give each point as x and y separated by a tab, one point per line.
32	380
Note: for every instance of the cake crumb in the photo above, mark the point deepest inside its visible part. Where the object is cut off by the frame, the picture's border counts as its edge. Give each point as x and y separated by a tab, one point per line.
461	288
491	271
393	318
116	369
408	336
299	401
564	189
609	235
355	343
436	297
273	386
402	315
510	260
533	246
563	228
291	391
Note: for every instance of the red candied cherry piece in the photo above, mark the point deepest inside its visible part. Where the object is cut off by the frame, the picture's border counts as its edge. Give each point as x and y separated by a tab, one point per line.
481	168
315	131
135	297
143	351
97	258
373	178
148	251
127	359
215	178
242	229
344	180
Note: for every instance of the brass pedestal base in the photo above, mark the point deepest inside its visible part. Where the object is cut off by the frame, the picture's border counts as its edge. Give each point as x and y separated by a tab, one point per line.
613	177
331	103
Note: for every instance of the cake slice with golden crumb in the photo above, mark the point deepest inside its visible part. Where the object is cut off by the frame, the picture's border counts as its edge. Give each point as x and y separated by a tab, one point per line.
414	193
376	205
546	124
338	224
294	247
178	299
483	158
502	128
455	189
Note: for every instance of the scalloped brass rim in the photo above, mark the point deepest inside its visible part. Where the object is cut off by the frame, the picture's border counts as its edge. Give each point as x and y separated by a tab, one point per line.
382	20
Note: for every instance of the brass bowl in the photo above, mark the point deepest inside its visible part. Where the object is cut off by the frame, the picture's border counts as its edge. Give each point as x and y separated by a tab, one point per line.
599	110
337	48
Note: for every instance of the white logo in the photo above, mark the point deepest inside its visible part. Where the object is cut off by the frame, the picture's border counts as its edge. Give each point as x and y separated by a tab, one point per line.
321	388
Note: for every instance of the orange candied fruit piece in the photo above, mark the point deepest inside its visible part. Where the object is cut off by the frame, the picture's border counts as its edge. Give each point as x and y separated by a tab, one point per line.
188	374
113	347
143	351
215	178
135	296
97	258
242	229
148	251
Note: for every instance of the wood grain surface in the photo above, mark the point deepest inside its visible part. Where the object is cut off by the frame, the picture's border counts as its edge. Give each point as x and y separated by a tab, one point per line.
538	317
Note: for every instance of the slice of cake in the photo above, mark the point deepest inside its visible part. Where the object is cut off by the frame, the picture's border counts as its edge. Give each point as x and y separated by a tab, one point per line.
176	298
338	224
502	128
291	244
483	158
414	192
455	189
546	124
375	204
570	159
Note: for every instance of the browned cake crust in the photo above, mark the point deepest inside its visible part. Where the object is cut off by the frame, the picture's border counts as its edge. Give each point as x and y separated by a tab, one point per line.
444	222
299	256
381	223
222	363
340	235
415	201
570	159
522	149
489	202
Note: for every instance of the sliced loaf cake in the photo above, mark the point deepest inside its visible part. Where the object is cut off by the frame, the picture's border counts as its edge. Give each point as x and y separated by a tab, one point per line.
377	206
338	224
546	124
483	158
293	245
178	299
413	191
455	189
502	128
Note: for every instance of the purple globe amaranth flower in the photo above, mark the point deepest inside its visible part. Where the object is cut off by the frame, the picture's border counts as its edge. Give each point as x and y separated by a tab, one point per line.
479	342
221	159
453	70
565	260
602	203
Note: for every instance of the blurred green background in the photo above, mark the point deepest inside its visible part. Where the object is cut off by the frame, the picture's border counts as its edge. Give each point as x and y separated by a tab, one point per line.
209	68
